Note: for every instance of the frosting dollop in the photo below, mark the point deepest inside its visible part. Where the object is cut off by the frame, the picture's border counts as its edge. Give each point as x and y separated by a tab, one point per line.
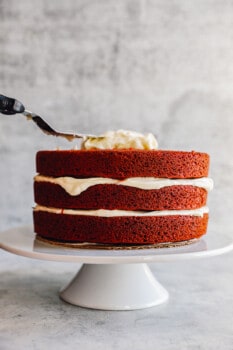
121	139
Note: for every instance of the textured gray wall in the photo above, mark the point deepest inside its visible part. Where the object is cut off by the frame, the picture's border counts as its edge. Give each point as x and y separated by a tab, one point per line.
146	65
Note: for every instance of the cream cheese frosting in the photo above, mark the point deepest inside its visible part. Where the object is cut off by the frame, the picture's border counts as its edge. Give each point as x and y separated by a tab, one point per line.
113	213
121	139
74	186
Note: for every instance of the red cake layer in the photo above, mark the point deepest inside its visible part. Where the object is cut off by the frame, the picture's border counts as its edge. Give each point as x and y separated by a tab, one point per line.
119	230
121	197
121	164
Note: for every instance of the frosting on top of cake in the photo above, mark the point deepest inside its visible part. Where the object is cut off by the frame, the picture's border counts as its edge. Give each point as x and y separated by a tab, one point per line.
121	139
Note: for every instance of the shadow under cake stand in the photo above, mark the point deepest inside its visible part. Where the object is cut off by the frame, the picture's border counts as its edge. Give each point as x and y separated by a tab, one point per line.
114	279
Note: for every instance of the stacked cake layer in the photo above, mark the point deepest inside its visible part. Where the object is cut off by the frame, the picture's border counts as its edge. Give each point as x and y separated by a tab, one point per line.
121	196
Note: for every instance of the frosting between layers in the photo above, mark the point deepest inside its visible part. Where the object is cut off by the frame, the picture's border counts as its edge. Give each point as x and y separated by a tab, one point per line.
113	213
74	186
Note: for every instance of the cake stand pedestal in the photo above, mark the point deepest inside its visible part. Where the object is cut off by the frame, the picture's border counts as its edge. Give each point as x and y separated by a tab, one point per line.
112	279
114	287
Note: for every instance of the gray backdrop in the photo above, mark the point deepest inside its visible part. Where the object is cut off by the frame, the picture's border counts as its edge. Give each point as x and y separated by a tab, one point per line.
90	66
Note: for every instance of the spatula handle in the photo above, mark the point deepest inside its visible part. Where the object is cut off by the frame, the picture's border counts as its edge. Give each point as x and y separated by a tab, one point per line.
10	105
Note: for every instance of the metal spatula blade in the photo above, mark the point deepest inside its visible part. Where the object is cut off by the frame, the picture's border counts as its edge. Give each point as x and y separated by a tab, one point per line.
10	106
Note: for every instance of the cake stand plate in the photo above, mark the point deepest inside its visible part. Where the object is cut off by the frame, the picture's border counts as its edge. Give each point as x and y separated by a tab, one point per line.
114	279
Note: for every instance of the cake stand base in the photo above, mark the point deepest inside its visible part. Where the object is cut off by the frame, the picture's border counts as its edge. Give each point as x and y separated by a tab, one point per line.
112	279
114	287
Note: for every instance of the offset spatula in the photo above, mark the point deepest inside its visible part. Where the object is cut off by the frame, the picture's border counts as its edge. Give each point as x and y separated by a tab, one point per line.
9	106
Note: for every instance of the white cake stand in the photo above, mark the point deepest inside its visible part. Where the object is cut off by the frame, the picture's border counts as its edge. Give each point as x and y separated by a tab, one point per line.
112	279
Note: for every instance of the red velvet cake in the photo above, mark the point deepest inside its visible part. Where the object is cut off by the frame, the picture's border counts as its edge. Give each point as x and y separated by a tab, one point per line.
121	196
122	164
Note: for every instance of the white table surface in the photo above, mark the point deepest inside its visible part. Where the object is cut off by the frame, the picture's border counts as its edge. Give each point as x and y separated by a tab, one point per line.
197	316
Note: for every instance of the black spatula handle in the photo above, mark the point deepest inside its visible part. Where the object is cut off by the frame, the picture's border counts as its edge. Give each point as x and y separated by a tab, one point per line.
10	105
